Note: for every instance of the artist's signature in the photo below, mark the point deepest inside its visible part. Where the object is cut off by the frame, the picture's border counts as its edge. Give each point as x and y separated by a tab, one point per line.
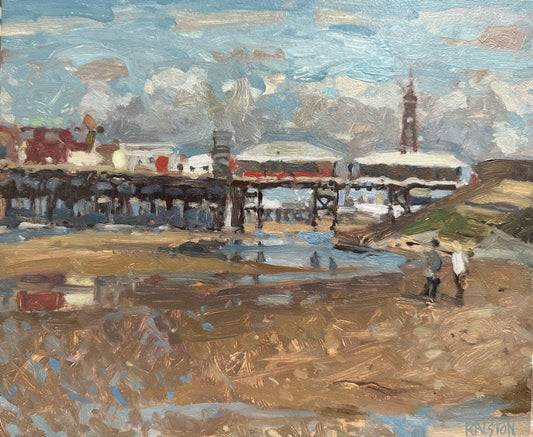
496	427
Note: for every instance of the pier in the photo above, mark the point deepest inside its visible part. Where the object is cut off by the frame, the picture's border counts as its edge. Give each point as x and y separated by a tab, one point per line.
155	190
86	197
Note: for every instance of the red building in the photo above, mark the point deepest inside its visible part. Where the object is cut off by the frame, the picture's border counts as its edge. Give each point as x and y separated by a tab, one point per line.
49	146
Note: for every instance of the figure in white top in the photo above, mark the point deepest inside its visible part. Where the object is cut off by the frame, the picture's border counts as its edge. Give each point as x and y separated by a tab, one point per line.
459	264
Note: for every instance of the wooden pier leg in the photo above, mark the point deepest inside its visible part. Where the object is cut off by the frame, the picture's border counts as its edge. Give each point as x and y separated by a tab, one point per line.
335	210
347	190
314	207
238	197
218	222
124	204
9	203
407	200
260	209
234	196
169	201
7	200
51	201
242	213
390	196
69	201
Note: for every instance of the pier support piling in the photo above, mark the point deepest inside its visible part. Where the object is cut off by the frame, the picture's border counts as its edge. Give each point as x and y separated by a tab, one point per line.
238	198
325	198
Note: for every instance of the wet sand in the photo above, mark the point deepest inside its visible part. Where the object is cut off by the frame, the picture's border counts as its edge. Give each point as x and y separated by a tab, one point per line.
344	350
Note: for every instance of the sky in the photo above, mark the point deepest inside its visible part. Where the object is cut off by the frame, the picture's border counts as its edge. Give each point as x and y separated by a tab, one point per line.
328	72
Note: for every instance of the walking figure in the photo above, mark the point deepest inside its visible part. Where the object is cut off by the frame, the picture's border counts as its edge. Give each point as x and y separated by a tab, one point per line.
459	264
332	264
315	262
434	263
260	254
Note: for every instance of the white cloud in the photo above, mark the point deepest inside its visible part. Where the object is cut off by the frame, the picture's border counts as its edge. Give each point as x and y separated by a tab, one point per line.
238	86
53	25
436	21
128	13
176	79
506	139
101	100
517	97
272	83
149	86
6	104
376	95
383	95
453	101
515	94
189	22
58	25
333	16
347	85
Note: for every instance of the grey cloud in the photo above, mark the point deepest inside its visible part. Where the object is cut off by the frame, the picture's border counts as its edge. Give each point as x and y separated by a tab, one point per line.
468	130
188	115
360	126
465	122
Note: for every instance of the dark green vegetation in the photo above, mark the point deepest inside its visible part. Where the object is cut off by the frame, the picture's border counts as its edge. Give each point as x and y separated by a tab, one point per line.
521	225
471	212
450	224
436	219
453	225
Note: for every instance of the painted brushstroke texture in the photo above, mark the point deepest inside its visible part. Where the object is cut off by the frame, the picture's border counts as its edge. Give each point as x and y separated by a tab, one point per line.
53	25
192	22
102	70
187	331
503	37
146	323
198	357
326	71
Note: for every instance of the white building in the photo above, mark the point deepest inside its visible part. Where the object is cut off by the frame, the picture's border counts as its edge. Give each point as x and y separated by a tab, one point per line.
198	165
427	166
144	155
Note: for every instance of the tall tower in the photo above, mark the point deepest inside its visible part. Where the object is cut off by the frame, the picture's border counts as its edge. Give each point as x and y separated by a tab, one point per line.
221	153
409	118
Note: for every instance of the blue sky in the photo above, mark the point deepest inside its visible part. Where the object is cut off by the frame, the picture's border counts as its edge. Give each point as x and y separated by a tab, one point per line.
327	71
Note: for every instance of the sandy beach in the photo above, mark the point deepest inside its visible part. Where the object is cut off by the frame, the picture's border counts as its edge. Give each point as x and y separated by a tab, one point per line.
346	350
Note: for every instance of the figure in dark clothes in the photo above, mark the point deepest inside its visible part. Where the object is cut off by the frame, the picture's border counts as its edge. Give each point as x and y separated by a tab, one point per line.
315	262
434	263
332	264
260	255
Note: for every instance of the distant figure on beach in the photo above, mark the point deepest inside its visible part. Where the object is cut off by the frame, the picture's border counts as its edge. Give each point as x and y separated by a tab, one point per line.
260	255
459	264
434	263
236	257
315	262
332	264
